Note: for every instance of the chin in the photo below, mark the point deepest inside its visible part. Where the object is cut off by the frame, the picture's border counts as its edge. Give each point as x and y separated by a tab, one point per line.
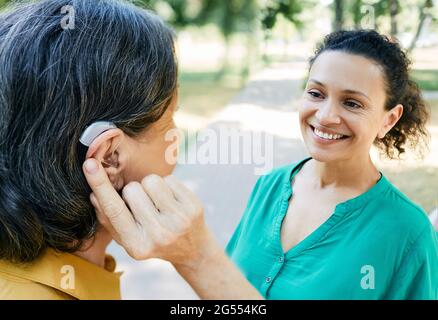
321	157
324	155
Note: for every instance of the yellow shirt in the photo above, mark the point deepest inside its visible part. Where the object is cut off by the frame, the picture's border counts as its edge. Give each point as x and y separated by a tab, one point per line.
59	276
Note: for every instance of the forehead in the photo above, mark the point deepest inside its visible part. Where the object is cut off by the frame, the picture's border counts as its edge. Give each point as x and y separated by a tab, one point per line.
347	71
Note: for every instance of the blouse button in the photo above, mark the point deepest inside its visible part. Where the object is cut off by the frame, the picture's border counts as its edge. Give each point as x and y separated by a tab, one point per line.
280	259
268	279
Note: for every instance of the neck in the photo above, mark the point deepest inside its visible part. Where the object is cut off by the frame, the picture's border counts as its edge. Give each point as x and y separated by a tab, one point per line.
94	250
359	172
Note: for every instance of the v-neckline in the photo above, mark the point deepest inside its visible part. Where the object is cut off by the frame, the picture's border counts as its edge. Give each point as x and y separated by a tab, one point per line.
340	211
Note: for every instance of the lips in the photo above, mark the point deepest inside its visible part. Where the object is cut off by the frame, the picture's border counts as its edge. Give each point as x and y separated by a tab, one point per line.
327	135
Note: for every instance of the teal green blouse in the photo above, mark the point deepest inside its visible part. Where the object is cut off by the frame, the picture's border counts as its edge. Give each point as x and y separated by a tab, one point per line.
378	245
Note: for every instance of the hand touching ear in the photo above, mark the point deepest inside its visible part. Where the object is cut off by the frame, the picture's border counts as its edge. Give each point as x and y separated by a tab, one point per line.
161	218
158	217
106	149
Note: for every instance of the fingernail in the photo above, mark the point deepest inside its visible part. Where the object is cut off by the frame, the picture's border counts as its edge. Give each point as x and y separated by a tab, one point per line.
91	166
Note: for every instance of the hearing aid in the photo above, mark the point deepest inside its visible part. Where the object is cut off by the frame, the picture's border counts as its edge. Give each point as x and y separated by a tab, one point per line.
90	134
94	130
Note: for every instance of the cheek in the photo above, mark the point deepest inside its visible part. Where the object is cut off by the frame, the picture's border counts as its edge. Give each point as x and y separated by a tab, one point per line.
305	110
152	157
364	132
166	150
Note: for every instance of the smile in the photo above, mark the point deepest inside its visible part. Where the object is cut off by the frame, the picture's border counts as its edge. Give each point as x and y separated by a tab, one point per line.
327	135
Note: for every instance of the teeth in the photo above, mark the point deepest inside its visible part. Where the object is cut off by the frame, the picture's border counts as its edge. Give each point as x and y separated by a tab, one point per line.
327	135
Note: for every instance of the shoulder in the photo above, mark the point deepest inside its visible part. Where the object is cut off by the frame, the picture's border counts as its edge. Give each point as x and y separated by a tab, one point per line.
13	287
415	239
399	215
399	206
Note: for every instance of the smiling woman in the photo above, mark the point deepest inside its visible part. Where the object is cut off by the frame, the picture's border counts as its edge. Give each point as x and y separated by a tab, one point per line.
332	226
363	71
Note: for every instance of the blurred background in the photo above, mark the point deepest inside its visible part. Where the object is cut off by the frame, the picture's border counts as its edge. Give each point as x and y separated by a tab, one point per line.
243	64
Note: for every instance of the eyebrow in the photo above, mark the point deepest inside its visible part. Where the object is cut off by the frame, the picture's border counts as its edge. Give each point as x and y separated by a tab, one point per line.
346	90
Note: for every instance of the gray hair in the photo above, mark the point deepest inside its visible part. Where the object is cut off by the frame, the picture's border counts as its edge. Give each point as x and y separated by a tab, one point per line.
117	64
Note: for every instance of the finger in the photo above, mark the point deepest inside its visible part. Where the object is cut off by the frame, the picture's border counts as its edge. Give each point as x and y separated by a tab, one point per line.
181	192
107	226
140	204
110	203
160	193
103	219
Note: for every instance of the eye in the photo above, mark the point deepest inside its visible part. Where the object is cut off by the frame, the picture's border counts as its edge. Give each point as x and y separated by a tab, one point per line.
315	94
352	104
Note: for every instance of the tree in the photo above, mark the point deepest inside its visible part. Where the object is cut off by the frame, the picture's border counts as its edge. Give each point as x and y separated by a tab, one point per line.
394	7
424	13
289	9
179	17
339	14
230	16
356	10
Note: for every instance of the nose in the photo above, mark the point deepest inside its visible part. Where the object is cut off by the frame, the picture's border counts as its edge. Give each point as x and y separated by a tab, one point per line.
328	113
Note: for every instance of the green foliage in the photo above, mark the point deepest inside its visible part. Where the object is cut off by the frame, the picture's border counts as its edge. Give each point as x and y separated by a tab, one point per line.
3	3
179	17
231	15
288	8
427	79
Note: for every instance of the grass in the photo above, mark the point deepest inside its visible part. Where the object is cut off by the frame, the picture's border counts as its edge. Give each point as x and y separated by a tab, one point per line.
202	94
426	79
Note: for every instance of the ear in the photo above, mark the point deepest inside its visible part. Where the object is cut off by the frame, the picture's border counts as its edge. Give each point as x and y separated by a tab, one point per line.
391	118
108	149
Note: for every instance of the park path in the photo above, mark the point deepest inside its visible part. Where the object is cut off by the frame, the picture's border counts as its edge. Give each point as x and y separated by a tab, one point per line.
265	108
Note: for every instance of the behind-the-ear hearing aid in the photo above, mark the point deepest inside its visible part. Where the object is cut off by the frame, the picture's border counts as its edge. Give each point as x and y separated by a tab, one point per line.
90	134
94	130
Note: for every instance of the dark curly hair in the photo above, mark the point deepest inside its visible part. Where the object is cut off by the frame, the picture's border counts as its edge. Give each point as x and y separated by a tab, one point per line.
410	130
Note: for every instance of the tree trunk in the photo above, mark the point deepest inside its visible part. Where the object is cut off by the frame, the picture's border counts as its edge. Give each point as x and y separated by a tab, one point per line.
251	56
393	11
339	14
225	59
357	14
423	15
